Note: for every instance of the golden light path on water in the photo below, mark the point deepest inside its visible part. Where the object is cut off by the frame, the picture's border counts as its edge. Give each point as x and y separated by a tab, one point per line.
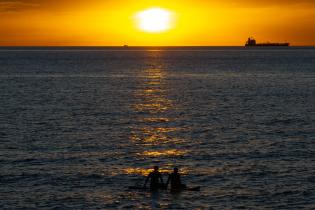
171	152
154	132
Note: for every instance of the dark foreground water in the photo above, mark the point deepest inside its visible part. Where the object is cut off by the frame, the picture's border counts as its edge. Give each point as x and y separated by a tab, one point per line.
80	125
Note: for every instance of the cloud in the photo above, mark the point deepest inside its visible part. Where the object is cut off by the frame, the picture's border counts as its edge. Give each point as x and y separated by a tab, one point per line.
16	6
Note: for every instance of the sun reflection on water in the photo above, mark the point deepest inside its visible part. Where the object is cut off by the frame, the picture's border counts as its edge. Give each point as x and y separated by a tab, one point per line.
157	135
171	152
155	131
152	105
156	119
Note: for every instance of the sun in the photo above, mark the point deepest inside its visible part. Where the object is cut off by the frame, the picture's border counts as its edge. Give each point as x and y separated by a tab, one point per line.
154	20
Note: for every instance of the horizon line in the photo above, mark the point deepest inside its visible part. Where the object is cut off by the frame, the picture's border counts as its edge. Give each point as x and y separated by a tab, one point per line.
135	46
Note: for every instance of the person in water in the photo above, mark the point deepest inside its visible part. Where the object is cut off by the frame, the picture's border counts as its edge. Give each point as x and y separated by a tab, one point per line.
175	181
156	180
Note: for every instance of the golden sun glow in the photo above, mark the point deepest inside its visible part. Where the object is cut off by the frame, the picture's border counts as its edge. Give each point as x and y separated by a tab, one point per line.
154	20
155	23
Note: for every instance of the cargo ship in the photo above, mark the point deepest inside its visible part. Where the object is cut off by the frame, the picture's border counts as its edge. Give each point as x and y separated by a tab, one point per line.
251	42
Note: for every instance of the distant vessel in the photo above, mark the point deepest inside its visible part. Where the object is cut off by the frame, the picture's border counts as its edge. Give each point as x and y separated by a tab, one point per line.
251	42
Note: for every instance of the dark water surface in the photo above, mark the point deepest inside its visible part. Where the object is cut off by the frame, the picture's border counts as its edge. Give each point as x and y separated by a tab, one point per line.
79	125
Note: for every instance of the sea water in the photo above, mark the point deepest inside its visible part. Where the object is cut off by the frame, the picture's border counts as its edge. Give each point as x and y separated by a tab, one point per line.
80	125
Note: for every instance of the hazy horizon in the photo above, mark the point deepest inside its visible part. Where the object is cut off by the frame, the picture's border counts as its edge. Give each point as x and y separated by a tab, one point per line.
153	46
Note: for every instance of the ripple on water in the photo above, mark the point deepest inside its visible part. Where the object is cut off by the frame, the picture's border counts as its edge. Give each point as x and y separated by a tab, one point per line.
77	132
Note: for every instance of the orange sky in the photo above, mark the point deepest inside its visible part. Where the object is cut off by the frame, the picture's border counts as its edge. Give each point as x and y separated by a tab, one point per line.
197	22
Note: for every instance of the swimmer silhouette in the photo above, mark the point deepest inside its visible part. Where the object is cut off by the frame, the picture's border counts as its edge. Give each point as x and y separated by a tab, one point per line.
175	181
156	180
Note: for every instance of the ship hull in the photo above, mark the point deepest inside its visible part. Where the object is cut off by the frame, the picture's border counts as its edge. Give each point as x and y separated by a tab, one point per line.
269	45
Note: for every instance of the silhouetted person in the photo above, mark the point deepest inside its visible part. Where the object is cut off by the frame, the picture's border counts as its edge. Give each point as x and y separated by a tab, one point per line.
156	180
174	179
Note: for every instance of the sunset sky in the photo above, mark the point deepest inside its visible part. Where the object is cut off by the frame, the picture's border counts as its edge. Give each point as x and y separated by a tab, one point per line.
192	22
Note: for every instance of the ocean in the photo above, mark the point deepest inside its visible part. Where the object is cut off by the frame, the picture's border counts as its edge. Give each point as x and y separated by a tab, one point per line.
79	125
